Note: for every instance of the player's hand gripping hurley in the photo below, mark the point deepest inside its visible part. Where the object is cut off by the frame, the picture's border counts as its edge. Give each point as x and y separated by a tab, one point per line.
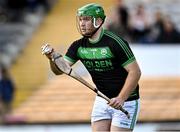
65	68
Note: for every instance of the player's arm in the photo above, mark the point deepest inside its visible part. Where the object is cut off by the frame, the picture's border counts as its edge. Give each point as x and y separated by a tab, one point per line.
132	79
53	66
129	86
128	62
51	54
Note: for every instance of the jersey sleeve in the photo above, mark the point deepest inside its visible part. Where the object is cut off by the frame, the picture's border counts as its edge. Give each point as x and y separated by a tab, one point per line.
123	52
71	54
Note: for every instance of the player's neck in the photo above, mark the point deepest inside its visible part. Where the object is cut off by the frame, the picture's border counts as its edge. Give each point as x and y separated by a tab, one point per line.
97	36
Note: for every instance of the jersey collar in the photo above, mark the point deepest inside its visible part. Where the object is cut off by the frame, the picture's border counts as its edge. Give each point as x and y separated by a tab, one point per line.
100	36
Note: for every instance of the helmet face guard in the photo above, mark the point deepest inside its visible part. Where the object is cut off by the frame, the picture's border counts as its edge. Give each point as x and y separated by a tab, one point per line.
93	11
88	31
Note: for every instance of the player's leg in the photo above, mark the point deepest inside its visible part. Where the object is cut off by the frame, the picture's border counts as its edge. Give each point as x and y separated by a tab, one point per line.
100	118
120	122
118	129
101	125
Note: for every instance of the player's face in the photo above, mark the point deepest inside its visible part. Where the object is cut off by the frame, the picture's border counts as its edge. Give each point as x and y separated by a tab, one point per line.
85	25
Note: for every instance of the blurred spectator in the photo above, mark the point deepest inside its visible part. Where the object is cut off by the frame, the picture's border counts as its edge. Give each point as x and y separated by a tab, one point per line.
155	29
15	10
3	12
7	90
158	24
46	4
139	23
34	5
118	21
3	15
168	33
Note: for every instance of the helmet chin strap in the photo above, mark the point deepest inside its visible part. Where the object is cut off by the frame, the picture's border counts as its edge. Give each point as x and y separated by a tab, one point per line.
94	23
96	28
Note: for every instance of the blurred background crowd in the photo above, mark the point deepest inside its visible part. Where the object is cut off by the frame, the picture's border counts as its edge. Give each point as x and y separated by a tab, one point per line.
18	21
146	23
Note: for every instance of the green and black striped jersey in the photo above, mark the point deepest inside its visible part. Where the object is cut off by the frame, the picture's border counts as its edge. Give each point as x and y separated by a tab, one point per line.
105	60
